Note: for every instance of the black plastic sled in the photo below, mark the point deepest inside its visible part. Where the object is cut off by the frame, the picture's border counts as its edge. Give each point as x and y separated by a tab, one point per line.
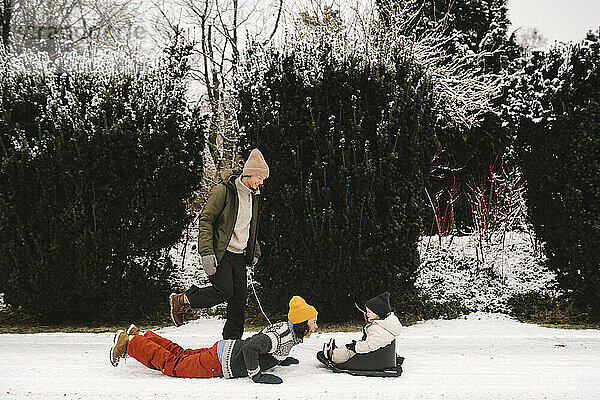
381	362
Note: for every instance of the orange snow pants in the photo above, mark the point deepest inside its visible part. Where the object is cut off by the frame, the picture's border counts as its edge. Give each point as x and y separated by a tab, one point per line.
171	359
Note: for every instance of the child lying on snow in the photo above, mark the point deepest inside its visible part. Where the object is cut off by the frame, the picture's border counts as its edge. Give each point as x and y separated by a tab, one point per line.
226	358
381	329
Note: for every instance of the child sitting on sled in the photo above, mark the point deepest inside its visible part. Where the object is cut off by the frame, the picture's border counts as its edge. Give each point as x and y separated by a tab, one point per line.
381	329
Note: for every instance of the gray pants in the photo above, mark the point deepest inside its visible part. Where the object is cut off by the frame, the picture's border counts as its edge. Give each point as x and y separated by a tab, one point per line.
341	355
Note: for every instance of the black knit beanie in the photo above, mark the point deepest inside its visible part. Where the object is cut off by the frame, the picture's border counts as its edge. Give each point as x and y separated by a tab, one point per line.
380	305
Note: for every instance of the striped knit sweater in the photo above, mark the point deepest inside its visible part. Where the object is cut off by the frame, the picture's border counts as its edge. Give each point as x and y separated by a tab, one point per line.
266	349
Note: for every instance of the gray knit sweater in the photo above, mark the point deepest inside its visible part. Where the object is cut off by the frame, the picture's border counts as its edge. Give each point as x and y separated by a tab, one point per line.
266	349
241	230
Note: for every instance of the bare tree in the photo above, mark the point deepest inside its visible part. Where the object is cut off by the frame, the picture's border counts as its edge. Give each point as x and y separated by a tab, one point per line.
5	20
57	25
220	31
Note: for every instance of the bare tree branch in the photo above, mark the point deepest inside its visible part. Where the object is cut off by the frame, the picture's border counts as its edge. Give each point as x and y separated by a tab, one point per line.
276	21
5	21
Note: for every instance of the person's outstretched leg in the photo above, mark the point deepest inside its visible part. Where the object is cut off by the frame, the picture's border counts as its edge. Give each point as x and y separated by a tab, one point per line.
234	326
170	346
204	364
219	291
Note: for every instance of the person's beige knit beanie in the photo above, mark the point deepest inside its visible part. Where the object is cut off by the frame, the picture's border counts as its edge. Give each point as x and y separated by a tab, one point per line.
256	165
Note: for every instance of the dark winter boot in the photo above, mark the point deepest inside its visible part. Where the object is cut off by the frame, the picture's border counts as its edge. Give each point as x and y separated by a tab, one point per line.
119	348
178	308
328	348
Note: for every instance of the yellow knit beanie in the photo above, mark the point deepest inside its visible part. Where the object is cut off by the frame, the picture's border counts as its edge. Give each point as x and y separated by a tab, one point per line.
300	311
256	165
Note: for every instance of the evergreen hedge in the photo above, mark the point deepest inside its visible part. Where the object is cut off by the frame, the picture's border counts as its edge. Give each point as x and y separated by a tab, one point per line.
97	157
348	142
558	145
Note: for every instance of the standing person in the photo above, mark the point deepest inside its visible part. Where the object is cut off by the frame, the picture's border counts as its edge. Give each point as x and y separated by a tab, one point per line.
226	358
227	242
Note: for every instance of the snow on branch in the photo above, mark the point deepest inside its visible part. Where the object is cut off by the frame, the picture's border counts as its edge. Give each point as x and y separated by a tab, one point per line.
463	90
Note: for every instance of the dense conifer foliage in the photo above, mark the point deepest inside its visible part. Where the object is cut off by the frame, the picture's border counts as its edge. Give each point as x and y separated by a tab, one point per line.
349	142
97	156
558	144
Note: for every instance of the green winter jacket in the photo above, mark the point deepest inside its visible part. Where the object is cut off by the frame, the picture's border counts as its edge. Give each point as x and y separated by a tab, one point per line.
218	220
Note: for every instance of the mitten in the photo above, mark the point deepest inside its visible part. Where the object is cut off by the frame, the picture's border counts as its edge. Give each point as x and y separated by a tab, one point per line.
209	263
289	361
267	378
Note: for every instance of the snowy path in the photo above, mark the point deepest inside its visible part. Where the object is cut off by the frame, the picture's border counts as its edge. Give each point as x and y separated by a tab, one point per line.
482	357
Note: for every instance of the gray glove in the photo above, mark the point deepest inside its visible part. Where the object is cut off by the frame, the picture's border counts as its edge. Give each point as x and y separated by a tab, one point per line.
254	261
209	263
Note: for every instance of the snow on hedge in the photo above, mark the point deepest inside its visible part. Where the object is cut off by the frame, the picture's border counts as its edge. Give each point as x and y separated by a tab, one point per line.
450	271
186	259
483	276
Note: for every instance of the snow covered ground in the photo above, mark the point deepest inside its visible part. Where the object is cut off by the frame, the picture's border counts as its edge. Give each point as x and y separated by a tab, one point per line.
483	356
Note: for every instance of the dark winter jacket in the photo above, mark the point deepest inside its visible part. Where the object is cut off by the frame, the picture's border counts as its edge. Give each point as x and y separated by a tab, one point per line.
218	217
266	349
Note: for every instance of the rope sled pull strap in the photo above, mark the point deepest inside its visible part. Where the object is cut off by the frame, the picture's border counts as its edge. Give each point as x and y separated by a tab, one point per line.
257	299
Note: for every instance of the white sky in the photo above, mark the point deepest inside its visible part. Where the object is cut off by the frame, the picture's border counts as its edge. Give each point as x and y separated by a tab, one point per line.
557	20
